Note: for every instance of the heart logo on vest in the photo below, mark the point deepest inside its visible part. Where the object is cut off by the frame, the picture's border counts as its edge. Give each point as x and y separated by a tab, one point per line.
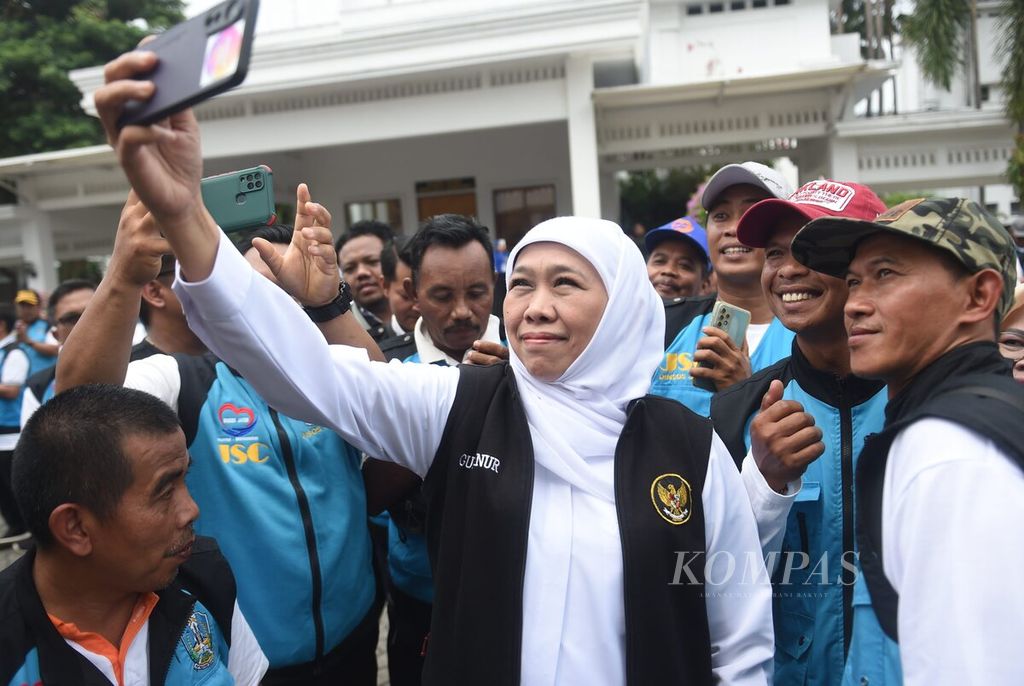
671	496
236	421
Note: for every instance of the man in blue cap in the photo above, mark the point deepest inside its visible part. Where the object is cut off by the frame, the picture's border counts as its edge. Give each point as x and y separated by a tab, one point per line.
677	258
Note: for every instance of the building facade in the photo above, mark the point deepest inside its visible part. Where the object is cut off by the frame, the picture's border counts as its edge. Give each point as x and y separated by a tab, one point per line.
518	110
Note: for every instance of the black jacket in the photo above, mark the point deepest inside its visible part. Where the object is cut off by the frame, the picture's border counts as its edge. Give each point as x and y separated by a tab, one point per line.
972	386
24	624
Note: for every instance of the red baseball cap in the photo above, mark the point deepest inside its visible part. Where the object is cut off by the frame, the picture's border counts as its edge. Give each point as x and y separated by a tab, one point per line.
823	198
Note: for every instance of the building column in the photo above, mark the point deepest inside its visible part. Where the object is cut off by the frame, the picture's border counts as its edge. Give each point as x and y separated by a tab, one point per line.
583	167
37	248
609	195
843	160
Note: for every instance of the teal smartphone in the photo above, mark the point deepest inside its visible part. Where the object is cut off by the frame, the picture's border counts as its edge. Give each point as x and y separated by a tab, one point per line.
734	322
241	199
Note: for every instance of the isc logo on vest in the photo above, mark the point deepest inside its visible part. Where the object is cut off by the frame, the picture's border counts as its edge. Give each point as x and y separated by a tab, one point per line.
239	453
480	460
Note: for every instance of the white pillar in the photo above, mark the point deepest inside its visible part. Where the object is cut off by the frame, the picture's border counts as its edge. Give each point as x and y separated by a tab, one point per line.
586	185
609	195
843	160
37	247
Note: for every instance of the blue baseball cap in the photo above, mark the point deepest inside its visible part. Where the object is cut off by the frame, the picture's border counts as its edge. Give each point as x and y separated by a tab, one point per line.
684	228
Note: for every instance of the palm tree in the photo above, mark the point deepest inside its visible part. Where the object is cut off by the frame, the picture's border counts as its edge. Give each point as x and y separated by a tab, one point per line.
944	35
1011	48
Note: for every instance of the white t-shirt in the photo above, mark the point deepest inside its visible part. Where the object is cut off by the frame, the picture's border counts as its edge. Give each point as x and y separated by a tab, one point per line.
13	372
755	332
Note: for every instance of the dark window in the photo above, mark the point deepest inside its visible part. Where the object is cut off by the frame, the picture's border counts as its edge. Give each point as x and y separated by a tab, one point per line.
517	210
387	210
738	6
692	10
716	7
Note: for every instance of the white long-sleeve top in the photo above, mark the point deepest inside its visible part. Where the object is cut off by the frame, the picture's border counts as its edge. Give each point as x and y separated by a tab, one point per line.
573	614
953	548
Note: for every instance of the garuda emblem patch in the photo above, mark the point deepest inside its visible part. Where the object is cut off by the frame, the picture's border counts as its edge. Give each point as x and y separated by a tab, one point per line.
670	494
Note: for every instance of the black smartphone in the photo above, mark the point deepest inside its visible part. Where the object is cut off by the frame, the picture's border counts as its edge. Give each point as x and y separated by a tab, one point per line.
199	58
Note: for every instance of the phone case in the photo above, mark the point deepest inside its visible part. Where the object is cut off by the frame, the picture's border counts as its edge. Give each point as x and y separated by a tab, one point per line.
240	199
733	321
199	58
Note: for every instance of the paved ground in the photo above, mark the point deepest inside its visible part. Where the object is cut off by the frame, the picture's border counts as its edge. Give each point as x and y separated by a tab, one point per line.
9	556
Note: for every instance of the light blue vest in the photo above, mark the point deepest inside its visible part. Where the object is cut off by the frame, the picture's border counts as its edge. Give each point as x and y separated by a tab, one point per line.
250	465
37	331
808	614
672	378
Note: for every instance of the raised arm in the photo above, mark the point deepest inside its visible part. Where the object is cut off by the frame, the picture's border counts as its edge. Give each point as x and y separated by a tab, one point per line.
396	412
99	347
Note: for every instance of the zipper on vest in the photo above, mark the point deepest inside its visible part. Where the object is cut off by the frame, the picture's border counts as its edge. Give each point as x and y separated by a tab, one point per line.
307	526
175	637
846	464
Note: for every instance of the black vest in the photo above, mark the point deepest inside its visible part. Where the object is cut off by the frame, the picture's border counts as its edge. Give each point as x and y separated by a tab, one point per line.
479	490
970	386
206	576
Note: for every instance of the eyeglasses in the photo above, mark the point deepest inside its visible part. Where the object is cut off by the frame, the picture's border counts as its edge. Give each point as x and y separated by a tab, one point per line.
1011	345
70	319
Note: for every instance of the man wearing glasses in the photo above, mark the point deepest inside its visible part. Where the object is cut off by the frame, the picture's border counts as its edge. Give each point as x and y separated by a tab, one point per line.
67	303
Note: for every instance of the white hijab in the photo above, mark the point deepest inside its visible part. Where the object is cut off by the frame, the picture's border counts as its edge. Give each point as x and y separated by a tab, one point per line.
576	420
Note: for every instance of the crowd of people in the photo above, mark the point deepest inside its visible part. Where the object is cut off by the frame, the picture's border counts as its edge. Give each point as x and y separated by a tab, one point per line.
551	466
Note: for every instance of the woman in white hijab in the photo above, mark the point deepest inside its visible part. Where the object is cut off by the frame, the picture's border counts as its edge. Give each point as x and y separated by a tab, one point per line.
594	592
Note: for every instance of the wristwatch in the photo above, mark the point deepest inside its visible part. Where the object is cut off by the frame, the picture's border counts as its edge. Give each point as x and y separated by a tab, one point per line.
341	304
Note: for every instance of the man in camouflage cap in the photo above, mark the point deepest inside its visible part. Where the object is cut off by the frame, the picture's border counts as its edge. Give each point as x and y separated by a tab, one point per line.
940	490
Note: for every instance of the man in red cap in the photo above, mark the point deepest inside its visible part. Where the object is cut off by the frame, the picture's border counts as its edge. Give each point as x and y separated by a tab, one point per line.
807	416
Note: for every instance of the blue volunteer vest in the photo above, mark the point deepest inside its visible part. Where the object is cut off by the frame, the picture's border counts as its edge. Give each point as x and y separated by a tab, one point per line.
37	331
821	602
672	378
259	479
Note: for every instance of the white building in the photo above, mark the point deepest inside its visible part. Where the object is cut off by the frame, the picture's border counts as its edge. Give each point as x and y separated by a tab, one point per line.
515	110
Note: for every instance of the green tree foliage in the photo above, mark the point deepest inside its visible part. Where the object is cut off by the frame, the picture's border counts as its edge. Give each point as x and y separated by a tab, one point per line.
938	30
40	41
655	197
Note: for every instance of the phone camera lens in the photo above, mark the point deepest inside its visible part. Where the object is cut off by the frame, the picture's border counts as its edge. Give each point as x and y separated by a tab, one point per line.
249	185
259	184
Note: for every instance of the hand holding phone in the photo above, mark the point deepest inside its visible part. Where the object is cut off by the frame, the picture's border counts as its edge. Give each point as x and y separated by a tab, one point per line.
199	58
733	321
241	199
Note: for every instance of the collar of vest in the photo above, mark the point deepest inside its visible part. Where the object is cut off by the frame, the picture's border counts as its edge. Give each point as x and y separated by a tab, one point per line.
830	388
61	665
972	359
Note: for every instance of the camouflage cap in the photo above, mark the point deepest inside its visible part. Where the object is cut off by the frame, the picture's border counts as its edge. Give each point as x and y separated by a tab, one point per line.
960	227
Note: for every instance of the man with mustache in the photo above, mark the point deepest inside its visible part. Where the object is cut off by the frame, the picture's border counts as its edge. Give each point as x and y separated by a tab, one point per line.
119	589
